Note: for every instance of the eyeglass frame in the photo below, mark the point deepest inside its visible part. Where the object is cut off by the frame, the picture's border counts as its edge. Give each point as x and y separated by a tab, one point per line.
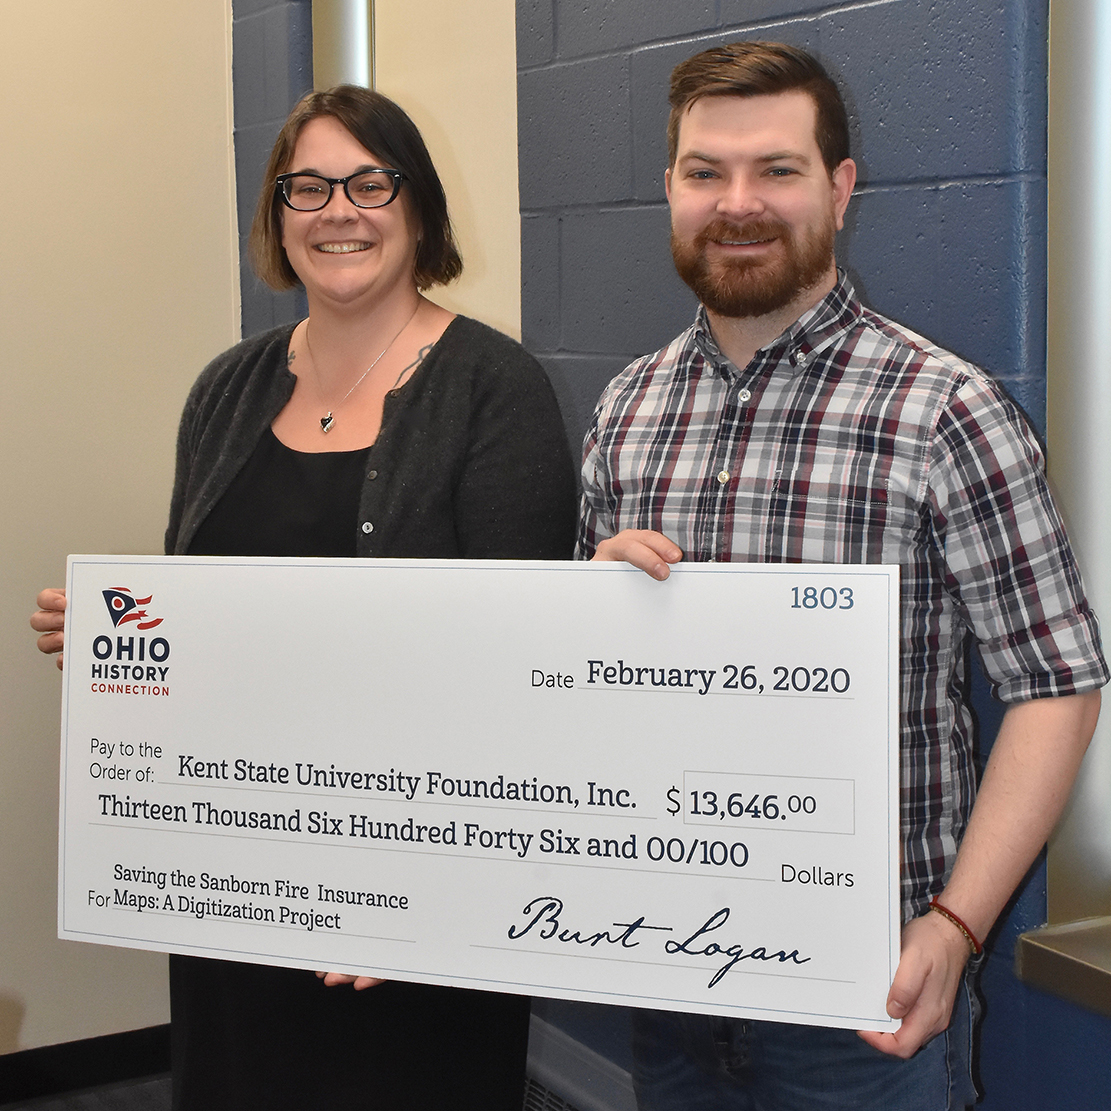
397	176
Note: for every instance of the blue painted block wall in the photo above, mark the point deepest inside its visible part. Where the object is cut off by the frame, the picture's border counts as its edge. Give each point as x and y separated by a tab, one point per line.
271	70
946	234
947	229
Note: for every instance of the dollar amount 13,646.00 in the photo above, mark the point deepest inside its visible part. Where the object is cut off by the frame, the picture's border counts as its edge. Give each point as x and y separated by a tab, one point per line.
760	801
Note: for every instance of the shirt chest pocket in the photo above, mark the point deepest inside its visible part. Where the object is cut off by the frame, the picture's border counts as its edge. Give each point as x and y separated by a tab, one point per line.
849	510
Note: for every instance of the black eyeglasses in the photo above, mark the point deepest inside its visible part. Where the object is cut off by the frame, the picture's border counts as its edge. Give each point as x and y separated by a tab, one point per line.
366	189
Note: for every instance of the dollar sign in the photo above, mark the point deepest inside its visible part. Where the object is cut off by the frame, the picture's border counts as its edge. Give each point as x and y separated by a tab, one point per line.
673	799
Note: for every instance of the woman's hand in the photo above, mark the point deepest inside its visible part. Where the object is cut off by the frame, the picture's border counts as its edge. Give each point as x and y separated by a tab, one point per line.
49	620
331	979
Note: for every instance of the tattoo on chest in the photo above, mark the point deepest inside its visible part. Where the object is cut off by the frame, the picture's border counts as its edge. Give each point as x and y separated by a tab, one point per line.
421	356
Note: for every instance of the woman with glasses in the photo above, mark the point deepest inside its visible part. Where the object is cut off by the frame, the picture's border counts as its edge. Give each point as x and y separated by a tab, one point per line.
381	425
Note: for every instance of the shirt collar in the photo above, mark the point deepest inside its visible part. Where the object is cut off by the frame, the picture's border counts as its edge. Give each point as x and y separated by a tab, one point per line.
793	350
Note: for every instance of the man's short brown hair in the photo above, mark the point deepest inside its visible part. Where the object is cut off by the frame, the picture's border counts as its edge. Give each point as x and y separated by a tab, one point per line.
760	69
384	129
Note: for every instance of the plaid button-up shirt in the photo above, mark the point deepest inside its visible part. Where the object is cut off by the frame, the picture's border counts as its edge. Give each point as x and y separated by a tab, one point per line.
851	440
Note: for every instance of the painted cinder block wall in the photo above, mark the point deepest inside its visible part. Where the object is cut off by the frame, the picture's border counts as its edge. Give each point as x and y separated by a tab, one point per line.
946	234
271	71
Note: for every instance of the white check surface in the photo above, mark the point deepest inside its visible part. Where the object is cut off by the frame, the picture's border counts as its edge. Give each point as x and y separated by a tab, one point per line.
549	778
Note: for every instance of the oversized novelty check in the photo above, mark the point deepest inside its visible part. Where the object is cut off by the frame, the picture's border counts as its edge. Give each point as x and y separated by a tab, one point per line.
548	778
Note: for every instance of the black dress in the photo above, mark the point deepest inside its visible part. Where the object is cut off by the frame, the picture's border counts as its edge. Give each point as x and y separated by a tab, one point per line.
250	1036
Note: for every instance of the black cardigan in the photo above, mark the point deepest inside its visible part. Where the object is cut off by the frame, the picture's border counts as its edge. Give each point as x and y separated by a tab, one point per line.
471	460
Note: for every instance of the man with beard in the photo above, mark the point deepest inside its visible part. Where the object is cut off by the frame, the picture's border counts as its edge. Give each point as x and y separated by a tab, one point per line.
790	424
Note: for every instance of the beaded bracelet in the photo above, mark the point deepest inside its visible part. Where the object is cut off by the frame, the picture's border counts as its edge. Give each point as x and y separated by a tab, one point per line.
969	936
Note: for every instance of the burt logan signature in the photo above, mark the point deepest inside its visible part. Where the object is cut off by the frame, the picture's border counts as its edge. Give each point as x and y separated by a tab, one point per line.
543	919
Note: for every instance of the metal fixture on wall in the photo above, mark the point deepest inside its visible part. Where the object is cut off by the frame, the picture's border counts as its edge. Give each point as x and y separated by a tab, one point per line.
1080	397
342	43
1071	957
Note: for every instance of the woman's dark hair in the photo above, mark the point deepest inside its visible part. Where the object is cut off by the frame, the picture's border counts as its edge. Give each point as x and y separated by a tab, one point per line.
384	129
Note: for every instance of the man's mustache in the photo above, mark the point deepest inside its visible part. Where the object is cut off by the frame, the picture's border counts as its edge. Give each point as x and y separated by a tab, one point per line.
752	231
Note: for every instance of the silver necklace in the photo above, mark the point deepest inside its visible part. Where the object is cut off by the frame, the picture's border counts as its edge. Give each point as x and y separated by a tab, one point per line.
328	420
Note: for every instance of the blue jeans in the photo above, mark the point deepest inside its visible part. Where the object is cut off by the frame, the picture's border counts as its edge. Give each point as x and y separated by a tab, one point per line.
685	1062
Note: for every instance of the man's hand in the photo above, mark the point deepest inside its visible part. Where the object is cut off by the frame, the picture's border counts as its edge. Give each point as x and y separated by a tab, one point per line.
360	983
925	985
643	548
1030	772
50	620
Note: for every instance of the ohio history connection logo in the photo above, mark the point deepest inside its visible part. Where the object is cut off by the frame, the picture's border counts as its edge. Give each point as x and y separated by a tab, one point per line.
128	663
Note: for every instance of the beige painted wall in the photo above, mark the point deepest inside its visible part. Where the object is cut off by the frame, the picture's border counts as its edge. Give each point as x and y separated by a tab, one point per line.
119	281
110	302
452	67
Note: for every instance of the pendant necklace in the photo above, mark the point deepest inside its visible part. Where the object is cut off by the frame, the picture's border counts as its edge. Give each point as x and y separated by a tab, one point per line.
328	420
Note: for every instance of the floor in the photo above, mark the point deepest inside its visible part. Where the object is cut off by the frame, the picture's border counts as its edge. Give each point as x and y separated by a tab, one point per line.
151	1094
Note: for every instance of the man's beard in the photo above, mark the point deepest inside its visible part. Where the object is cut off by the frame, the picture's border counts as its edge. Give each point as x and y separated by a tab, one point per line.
750	287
